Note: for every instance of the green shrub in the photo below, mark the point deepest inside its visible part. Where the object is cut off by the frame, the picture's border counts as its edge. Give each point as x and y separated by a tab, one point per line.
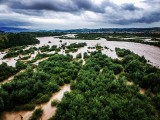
78	56
43	99
122	52
54	103
36	115
116	68
26	107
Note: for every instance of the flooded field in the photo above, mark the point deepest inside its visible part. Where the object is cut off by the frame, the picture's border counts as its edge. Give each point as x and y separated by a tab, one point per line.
151	53
48	110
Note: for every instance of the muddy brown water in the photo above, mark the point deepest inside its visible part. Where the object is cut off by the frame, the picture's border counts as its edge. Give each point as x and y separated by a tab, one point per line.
48	110
151	53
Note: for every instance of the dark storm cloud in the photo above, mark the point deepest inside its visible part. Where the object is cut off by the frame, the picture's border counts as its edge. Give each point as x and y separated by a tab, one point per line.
66	6
56	5
88	5
43	5
112	13
129	7
29	12
152	17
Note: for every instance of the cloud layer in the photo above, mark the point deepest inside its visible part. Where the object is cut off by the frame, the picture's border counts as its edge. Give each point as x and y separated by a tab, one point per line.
65	14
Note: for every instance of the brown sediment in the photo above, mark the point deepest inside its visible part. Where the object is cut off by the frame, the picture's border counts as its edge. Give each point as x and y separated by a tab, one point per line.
142	91
130	83
49	111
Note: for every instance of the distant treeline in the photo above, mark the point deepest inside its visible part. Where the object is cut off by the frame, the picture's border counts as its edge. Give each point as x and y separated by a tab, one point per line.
45	34
17	39
136	37
116	34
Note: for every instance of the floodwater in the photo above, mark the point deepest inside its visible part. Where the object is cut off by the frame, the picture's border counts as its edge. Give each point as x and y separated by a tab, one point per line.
48	110
151	53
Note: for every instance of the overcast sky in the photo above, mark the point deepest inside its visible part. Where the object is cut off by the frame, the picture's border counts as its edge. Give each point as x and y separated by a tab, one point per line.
71	14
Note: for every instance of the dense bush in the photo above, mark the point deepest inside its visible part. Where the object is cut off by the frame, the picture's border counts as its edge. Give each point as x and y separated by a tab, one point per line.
16	52
26	107
6	71
73	47
36	87
79	56
99	95
97	92
12	53
44	48
140	72
20	65
36	115
17	39
85	55
122	52
54	103
116	68
76	45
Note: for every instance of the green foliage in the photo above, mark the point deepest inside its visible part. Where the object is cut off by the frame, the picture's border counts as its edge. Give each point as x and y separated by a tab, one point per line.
36	87
73	47
98	47
44	48
39	56
43	99
156	101
26	107
20	65
36	115
122	52
12	53
116	68
55	66
98	95
79	56
1	105
139	72
53	48
25	57
6	71
18	51
85	55
76	45
89	36
17	39
54	103
96	91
